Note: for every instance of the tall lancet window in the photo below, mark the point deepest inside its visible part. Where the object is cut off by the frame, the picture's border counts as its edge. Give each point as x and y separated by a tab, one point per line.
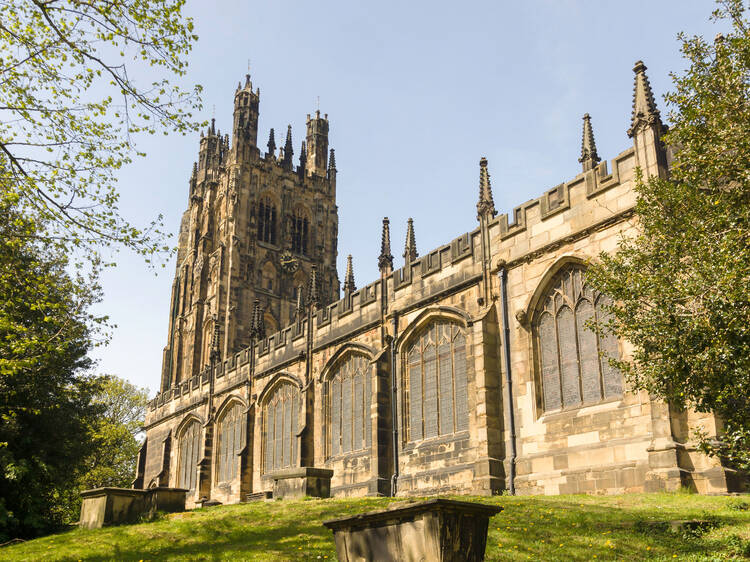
280	415
189	445
267	221
435	382
573	359
348	396
299	234
231	440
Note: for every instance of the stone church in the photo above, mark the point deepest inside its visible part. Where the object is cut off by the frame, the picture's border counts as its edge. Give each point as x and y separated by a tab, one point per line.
470	369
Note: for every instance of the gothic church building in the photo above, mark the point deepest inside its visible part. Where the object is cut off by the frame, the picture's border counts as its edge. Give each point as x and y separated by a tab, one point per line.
469	369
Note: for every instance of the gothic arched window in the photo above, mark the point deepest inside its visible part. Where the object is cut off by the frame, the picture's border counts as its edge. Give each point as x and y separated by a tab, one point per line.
231	440
280	415
267	221
348	395
435	382
188	447
299	234
574	359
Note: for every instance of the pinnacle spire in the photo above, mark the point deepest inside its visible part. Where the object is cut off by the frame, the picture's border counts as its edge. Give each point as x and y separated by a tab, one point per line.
212	130
332	161
215	353
349	285
331	174
486	205
644	106
410	249
271	143
288	150
385	260
312	291
302	159
299	309
257	323
589	157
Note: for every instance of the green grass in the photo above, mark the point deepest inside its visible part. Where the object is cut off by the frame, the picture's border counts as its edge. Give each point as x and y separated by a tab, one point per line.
530	528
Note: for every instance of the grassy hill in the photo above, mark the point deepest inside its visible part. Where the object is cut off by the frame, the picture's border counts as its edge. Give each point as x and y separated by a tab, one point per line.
627	527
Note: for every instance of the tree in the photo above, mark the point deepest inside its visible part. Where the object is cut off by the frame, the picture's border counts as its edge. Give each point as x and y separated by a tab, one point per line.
682	285
71	103
46	408
116	433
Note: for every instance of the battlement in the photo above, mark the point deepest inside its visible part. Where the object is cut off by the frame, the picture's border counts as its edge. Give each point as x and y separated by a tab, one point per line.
558	199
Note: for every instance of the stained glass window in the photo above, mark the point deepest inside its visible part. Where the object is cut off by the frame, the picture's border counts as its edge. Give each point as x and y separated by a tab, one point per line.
435	382
280	415
348	400
231	440
573	358
189	444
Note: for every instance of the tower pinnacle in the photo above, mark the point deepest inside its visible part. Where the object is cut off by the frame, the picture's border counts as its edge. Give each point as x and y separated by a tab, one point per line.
312	291
215	351
288	150
271	143
589	157
299	309
257	323
349	285
486	205
645	112
385	260
410	249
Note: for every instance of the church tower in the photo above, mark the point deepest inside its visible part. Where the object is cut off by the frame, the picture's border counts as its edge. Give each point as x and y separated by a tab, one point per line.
254	228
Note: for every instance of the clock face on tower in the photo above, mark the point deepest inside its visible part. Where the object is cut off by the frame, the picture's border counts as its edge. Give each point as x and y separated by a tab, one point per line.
288	262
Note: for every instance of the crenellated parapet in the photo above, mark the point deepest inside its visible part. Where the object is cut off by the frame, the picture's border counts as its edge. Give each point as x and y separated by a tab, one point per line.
430	277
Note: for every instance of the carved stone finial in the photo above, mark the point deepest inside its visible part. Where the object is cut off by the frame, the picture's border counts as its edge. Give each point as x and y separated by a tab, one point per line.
349	286
486	205
271	143
385	260
302	158
312	291
332	161
257	322
288	150
410	249
645	113
300	308
215	351
589	157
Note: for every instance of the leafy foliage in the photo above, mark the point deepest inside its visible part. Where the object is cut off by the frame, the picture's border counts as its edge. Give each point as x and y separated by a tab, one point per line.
682	285
116	433
46	408
70	105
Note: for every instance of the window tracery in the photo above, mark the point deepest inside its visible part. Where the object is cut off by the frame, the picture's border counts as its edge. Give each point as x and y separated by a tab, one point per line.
348	395
573	359
435	382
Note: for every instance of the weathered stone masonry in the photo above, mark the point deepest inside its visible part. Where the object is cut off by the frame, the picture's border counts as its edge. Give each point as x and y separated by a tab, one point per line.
400	386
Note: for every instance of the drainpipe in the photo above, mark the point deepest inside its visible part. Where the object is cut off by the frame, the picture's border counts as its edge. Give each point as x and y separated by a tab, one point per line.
394	404
508	379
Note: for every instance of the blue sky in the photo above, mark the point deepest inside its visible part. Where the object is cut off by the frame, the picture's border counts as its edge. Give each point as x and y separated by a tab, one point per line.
416	93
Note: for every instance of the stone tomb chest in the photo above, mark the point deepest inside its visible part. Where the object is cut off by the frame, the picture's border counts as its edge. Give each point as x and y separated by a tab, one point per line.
113	506
436	530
